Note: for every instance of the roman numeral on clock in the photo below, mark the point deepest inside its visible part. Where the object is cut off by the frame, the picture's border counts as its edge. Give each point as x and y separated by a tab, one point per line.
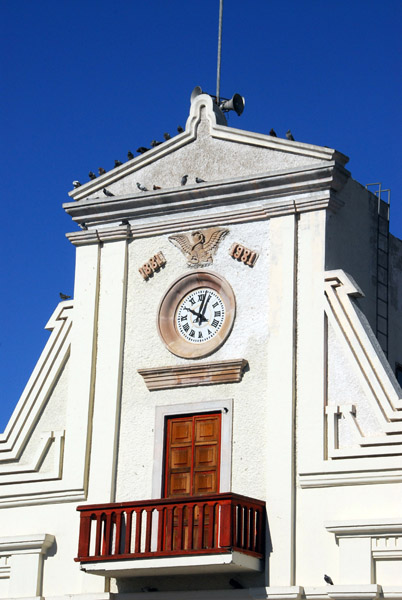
215	323
186	326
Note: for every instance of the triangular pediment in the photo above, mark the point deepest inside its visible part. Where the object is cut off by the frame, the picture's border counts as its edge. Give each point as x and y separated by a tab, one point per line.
210	150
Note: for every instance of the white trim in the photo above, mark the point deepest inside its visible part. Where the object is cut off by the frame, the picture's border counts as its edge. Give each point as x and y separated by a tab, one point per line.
259	197
21	473
176	565
344	592
26	544
348	474
162	412
44	375
365	527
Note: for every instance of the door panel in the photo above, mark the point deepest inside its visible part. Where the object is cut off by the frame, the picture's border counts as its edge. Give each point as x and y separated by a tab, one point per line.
205	457
181	431
180	458
205	483
180	484
207	430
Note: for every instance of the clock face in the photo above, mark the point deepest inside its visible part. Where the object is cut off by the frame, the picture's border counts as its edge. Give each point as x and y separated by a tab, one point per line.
196	314
200	315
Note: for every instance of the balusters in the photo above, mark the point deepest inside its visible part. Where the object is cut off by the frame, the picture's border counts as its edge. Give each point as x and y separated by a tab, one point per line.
172	527
138	530
190	526
127	543
148	530
161	528
169	529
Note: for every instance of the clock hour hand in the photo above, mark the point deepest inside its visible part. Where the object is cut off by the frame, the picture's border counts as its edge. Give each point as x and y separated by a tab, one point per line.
197	314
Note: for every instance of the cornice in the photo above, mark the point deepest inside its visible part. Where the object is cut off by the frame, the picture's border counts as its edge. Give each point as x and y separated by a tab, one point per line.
365	528
260	197
26	544
211	373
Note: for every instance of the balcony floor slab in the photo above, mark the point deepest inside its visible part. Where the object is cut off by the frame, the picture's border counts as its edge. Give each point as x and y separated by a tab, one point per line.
176	565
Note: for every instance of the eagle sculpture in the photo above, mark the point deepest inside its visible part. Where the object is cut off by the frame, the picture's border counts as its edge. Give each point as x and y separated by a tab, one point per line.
199	246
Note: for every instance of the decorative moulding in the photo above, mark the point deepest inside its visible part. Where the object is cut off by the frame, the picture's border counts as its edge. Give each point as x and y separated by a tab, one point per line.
321	200
44	375
322	176
211	373
26	544
365	528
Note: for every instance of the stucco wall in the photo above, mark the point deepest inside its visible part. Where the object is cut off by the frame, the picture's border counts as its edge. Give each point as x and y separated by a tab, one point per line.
144	348
351	242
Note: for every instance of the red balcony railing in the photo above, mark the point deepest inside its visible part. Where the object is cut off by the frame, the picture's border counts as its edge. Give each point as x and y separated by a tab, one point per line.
212	524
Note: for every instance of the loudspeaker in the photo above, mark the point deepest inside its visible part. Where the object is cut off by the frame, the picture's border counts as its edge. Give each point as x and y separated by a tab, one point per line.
236	103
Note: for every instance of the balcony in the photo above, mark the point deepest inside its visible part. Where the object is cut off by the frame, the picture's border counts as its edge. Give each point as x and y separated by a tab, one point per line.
202	534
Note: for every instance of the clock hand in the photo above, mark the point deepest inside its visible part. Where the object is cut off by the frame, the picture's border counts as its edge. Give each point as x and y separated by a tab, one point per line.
201	307
202	313
197	314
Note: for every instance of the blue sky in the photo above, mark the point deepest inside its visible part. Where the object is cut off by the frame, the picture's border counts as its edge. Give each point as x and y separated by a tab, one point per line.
84	81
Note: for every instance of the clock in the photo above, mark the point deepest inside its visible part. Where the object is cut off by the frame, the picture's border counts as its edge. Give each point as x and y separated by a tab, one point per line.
196	314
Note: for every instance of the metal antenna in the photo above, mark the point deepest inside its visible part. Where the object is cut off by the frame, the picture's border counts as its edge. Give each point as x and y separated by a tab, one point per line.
218	73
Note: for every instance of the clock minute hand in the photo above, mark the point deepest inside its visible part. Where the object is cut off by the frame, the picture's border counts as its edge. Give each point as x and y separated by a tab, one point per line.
202	312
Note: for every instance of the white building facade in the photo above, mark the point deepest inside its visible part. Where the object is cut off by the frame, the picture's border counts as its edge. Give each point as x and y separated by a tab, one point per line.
220	398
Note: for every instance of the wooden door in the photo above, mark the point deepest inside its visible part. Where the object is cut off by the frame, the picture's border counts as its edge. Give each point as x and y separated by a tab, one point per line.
192	455
192	468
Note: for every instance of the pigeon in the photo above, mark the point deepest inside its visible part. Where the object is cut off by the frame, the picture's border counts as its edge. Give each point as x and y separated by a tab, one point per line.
290	136
199	180
83	226
141	187
117	163
142	149
76	184
328	580
156	187
107	193
101	171
91	175
154	143
64	296
130	155
184	180
180	129
166	136
236	584
125	222
273	133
